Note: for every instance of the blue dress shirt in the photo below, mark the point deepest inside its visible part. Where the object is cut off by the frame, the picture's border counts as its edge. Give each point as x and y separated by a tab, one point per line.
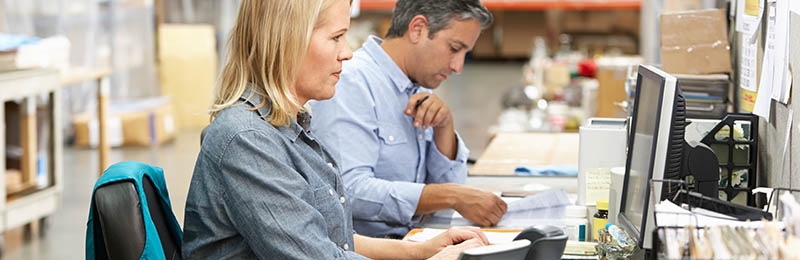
385	160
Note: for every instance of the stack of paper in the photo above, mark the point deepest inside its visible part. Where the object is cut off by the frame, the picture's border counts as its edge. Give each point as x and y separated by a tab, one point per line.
669	215
21	52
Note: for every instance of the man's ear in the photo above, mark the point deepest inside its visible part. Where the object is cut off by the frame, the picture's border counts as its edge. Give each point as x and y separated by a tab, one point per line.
417	28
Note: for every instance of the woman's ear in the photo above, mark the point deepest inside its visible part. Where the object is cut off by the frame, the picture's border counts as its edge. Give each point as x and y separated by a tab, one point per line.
417	28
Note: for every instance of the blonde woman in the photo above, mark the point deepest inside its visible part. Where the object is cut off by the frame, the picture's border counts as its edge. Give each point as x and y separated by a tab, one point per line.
263	186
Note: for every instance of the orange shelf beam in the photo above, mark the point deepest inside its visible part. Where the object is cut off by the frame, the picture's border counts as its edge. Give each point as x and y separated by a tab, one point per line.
526	5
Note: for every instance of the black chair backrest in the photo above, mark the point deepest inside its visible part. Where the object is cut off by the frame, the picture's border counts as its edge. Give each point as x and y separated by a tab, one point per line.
121	225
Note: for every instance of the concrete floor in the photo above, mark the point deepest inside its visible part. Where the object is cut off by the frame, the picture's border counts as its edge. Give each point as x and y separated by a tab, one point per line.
473	96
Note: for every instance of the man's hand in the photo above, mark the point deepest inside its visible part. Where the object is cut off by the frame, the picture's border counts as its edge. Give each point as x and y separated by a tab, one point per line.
449	244
479	206
431	112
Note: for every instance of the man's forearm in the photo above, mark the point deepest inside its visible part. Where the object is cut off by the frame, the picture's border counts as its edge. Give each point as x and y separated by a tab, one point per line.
446	142
435	197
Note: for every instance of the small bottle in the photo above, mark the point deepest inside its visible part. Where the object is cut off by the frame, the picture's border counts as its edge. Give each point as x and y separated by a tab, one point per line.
600	218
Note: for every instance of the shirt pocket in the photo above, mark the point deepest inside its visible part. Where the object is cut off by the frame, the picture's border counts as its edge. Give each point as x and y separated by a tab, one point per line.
329	204
391	134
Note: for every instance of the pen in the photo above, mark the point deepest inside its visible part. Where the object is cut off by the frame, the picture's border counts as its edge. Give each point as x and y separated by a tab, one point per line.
419	102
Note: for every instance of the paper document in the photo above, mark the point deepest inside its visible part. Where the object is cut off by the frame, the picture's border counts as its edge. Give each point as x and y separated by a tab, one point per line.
521	213
748	18
748	66
598	181
780	86
494	237
668	215
546	199
762	106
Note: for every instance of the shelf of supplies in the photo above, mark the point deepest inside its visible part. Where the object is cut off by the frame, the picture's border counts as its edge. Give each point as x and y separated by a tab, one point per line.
526	5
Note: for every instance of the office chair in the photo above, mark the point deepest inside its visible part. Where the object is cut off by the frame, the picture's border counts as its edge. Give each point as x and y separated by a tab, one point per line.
131	216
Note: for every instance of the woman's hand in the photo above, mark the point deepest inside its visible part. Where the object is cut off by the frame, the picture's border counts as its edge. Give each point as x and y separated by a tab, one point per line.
449	244
453	252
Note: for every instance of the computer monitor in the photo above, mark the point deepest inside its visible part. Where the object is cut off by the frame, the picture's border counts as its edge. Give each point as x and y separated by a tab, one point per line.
655	150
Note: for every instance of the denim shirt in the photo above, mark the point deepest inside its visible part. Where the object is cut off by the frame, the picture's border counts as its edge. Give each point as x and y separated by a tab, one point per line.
260	191
385	160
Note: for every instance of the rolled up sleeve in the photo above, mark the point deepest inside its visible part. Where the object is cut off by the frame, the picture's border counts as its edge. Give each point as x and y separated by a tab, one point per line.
443	170
381	200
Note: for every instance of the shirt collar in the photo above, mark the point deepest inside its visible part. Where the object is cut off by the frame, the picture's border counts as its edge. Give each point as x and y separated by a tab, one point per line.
385	63
293	131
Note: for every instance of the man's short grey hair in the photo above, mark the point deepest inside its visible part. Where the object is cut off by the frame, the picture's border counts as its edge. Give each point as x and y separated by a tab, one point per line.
439	14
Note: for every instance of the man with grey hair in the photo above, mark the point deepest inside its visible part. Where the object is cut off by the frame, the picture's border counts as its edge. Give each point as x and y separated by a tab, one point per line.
394	140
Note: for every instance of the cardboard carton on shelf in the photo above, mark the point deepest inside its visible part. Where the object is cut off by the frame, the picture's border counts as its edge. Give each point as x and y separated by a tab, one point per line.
136	123
695	42
485	46
611	75
517	31
588	21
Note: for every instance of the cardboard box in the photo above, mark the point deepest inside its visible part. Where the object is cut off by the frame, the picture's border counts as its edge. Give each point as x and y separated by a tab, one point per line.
611	75
695	42
136	123
485	46
627	21
588	21
188	64
518	31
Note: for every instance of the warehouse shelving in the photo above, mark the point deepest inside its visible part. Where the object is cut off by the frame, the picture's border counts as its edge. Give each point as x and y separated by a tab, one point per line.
526	5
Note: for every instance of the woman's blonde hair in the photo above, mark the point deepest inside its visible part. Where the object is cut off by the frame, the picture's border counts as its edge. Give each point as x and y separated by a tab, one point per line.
265	49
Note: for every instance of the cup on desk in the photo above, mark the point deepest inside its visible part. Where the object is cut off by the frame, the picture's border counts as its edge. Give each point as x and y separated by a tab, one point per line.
615	193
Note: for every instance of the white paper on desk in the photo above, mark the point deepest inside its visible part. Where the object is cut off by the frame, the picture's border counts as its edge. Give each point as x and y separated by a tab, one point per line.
762	106
669	215
545	199
523	212
493	237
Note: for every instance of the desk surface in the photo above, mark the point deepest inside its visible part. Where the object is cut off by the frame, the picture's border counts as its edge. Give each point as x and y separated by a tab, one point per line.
507	151
25	83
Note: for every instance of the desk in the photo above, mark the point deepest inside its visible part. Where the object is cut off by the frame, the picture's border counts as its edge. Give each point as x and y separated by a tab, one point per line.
34	204
507	151
78	75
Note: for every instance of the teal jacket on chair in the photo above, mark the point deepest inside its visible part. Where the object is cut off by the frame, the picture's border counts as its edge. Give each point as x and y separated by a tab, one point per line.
124	220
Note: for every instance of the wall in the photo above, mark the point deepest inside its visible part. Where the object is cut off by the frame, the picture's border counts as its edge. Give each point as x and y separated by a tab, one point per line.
772	135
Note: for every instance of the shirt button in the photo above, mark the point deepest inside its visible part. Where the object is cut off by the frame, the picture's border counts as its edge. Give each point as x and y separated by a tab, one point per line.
341	199
346	247
391	138
330	191
330	164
